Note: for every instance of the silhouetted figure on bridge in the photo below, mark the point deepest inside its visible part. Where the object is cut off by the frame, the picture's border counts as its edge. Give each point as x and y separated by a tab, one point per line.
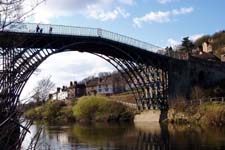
41	30
37	29
50	30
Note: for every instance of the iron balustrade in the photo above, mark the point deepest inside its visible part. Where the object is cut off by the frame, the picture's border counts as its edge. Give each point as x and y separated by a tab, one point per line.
81	31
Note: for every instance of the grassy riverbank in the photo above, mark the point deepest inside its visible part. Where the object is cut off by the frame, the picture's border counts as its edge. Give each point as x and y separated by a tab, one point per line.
85	109
210	113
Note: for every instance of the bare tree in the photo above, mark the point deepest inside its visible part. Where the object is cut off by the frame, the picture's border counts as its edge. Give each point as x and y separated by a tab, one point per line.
12	11
42	90
103	74
12	128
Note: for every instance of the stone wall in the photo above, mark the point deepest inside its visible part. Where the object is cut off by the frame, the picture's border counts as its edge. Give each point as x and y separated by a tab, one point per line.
148	116
184	75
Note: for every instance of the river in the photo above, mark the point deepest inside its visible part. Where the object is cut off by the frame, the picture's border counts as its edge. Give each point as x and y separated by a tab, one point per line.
139	136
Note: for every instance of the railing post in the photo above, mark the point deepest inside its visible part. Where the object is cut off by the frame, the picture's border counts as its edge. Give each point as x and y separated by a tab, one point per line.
222	99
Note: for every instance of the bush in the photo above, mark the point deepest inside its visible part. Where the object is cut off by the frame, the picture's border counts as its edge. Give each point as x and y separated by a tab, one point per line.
56	111
88	106
34	113
99	108
52	110
67	114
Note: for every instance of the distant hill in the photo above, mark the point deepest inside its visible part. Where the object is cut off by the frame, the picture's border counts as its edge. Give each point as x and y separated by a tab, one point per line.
218	42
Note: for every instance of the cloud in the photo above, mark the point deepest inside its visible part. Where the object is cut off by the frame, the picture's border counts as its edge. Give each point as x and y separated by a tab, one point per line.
66	67
173	42
166	1
96	12
128	2
161	16
96	9
182	11
196	36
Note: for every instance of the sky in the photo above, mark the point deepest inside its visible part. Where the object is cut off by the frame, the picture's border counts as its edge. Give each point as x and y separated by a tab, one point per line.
159	22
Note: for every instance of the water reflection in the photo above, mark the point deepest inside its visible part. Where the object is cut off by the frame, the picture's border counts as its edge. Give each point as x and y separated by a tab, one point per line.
141	136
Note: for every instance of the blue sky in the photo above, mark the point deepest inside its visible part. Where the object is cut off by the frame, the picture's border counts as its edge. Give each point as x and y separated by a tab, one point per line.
159	22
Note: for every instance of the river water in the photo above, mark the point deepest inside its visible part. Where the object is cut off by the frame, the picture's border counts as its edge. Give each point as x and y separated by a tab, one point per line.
141	136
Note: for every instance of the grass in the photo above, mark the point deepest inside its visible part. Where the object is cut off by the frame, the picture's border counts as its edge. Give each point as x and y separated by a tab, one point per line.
209	113
125	97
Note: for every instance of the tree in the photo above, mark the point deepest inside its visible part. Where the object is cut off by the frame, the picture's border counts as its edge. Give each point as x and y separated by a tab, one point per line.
42	90
11	11
103	74
187	45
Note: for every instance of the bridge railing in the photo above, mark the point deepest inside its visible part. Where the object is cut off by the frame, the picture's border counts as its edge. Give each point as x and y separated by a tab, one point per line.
199	101
81	31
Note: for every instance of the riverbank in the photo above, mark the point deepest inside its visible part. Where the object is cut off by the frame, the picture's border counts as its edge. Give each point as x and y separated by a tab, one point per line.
210	113
85	109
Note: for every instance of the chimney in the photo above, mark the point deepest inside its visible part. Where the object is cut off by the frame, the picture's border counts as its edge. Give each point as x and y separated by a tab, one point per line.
58	89
63	88
71	83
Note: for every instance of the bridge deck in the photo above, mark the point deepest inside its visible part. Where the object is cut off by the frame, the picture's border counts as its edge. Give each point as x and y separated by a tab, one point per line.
67	38
81	31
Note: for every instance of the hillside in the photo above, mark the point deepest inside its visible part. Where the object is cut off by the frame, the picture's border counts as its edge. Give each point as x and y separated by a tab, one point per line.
218	42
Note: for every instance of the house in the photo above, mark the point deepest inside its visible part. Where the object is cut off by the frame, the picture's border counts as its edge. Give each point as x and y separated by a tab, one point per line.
105	85
54	96
91	86
207	46
63	94
76	90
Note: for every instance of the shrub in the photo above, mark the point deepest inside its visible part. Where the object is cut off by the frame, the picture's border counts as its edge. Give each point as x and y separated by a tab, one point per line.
56	111
52	110
88	106
99	108
34	113
67	114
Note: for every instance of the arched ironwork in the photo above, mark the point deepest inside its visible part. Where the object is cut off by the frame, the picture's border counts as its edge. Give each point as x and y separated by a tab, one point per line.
22	51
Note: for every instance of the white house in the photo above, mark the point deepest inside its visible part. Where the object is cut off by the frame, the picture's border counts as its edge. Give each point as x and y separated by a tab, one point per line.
207	47
63	94
105	85
105	89
60	94
54	96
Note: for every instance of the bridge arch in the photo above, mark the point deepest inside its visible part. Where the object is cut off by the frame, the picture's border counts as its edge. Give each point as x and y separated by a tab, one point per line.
23	52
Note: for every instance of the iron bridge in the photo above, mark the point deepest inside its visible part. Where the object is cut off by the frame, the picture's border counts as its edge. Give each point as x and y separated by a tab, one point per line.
22	50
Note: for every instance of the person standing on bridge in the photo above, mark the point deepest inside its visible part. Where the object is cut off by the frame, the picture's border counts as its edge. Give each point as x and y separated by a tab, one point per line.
50	30
37	29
